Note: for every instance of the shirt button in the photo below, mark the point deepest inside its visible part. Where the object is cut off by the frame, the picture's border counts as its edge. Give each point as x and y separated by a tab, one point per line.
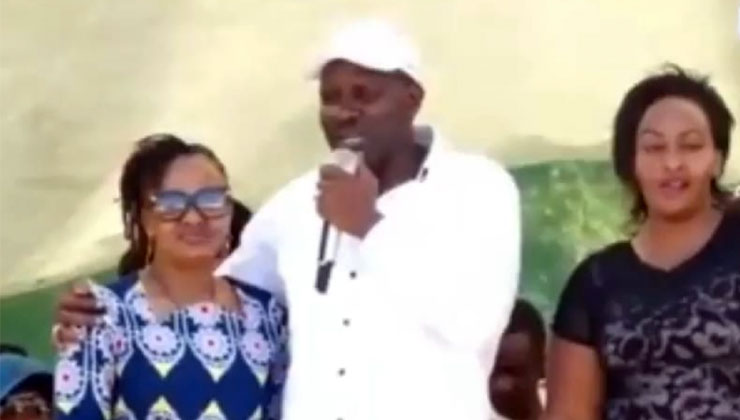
353	274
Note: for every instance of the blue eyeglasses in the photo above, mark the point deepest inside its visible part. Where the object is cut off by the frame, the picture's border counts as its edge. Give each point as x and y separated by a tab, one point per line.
209	203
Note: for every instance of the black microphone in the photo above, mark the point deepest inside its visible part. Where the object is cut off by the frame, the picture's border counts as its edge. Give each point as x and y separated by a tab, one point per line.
347	156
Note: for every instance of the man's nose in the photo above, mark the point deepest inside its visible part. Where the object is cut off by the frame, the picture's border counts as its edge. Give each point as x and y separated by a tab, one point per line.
343	113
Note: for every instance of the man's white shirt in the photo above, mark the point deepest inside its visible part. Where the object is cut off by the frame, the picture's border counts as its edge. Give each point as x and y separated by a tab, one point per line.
411	320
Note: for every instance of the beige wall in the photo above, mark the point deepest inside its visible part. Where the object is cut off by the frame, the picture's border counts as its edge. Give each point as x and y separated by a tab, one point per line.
524	80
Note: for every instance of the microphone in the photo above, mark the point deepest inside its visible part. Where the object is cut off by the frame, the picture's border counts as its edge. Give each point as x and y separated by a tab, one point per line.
346	156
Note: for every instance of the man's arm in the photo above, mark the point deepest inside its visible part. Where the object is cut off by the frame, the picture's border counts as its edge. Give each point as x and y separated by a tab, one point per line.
85	370
457	264
77	307
255	261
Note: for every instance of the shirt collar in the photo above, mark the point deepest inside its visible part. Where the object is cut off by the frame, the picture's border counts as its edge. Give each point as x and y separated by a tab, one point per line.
429	137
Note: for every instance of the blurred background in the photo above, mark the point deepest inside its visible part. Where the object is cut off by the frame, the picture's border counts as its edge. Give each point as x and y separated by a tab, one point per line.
533	83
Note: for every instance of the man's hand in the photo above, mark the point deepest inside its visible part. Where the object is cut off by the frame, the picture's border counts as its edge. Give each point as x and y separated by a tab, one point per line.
347	201
77	308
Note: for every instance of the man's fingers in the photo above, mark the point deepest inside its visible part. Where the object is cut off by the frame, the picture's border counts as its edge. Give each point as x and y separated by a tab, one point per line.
324	185
363	170
81	288
76	318
365	174
82	304
67	335
332	172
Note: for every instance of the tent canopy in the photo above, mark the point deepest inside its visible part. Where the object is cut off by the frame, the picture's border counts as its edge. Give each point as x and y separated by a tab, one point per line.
524	81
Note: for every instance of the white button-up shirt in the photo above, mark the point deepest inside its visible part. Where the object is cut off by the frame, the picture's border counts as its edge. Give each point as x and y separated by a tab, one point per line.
410	323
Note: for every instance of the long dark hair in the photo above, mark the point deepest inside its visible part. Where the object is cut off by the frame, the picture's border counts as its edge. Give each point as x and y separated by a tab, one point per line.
672	81
240	216
143	171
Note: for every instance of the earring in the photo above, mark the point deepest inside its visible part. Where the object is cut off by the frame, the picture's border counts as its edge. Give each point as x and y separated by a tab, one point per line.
226	249
149	250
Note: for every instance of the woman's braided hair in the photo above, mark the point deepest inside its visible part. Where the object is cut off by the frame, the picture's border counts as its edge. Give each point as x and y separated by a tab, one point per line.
143	172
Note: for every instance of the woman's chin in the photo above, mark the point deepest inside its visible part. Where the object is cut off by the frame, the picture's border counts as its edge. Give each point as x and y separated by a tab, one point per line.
197	254
676	212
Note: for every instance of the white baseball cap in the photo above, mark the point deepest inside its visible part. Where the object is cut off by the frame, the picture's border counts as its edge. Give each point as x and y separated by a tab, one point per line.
374	44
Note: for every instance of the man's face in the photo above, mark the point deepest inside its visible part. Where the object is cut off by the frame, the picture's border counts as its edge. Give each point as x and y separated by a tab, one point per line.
512	385
377	107
25	406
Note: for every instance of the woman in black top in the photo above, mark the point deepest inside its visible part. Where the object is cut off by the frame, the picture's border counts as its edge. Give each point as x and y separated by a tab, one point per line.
650	328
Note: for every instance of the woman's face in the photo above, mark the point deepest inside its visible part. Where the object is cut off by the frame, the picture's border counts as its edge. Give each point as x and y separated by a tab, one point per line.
189	216
675	159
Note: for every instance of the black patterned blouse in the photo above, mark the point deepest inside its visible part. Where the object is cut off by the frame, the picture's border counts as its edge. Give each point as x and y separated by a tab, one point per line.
669	341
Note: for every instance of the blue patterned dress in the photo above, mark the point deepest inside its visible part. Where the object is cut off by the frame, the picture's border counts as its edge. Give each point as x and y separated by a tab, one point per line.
200	362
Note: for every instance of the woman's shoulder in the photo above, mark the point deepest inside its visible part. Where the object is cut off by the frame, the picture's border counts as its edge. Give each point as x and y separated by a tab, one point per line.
610	259
251	291
263	304
585	292
114	291
120	284
255	294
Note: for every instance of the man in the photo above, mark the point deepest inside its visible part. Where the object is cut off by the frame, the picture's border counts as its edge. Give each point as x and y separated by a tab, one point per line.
401	324
514	384
25	386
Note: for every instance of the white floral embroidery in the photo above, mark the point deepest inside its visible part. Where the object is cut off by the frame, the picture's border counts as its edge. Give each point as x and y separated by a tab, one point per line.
212	343
161	346
277	312
68	379
215	347
256	348
136	299
120	345
159	340
110	302
204	314
253	313
103	383
215	337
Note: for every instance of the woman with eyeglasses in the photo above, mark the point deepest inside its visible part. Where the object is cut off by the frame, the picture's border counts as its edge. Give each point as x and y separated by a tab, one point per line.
175	342
649	327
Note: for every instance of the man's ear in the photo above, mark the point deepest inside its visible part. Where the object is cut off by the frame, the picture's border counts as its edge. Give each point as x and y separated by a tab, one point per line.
414	96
